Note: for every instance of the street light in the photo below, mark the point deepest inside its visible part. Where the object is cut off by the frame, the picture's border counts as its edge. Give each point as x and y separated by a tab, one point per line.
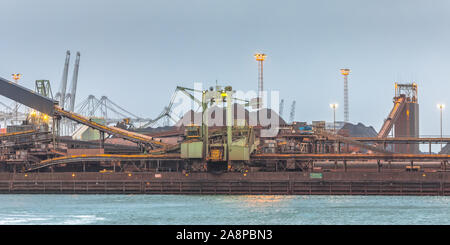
441	108
334	106
260	58
16	77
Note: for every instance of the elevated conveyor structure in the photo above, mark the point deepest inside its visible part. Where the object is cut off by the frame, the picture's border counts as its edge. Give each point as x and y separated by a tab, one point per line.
121	133
50	107
16	134
354	157
27	97
352	142
399	104
101	157
76	159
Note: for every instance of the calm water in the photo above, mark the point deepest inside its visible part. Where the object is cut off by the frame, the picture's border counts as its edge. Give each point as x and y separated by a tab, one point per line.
176	209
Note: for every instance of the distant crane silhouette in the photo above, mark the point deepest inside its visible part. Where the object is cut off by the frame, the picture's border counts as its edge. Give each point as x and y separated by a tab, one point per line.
281	107
292	115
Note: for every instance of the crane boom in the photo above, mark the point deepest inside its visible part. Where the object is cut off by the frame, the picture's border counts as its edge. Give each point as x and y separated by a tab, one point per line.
192	97
73	90
64	80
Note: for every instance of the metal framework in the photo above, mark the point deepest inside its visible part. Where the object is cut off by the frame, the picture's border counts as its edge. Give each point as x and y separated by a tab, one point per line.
409	90
43	87
260	58
105	108
345	73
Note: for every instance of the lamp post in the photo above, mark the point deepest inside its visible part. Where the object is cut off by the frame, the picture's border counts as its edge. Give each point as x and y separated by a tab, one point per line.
345	73
334	106
441	108
260	58
16	77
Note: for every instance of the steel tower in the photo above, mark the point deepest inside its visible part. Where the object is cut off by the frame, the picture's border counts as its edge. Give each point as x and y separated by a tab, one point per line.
345	72
260	58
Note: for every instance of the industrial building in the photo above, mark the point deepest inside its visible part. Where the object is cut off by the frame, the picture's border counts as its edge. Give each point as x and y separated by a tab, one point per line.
222	142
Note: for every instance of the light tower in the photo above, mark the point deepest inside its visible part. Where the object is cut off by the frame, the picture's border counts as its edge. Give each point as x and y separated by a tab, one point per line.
345	72
260	58
16	77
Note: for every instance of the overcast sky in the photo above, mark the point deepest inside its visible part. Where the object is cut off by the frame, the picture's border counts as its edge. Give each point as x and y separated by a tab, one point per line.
137	52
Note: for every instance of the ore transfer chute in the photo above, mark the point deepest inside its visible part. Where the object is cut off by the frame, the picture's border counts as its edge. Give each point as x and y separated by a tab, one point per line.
404	117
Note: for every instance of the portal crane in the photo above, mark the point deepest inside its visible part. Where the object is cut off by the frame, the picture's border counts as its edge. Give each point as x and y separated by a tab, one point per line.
62	94
73	90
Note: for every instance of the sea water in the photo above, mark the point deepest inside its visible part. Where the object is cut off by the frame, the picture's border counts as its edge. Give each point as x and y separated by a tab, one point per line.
222	209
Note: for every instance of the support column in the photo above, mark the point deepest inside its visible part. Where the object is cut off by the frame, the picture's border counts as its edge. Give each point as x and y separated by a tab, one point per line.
53	132
345	165
205	126
102	139
58	127
229	121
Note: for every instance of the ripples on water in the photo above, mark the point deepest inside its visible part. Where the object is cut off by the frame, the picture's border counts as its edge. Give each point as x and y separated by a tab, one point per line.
252	210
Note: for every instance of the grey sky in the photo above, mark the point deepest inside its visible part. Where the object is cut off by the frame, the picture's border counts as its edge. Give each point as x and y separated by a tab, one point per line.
136	52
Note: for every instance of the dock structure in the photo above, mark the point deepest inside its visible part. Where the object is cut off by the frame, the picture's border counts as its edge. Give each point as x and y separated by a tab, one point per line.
329	183
220	159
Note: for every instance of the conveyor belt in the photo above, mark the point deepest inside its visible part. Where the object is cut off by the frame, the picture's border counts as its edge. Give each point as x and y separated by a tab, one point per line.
49	106
348	156
17	134
26	137
399	104
402	140
352	142
258	157
101	157
121	133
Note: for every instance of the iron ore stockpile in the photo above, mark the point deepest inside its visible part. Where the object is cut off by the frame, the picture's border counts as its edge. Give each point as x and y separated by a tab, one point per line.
223	149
